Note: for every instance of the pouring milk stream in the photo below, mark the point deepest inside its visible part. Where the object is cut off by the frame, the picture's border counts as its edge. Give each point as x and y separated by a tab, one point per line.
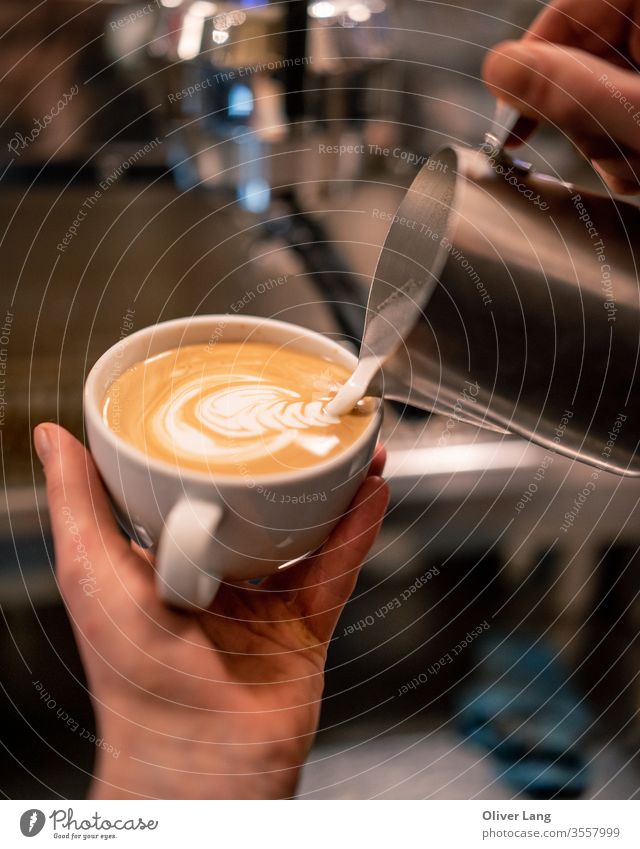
401	286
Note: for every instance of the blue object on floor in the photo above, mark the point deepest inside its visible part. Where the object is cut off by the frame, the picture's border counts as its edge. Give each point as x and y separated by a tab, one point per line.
520	706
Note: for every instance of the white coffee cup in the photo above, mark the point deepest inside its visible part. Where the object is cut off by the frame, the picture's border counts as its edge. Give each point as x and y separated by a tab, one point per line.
208	528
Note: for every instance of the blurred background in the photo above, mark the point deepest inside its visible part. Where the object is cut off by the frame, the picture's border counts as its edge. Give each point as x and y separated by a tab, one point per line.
183	157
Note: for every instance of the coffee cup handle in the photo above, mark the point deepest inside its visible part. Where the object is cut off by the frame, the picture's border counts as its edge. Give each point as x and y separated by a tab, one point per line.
184	550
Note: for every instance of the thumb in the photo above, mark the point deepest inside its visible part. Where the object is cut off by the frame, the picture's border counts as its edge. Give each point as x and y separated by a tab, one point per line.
581	94
85	534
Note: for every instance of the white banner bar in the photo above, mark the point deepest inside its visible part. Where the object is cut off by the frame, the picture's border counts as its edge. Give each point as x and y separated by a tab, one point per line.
319	825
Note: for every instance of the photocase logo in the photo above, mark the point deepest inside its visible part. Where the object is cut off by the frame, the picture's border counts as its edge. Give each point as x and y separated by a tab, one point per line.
32	822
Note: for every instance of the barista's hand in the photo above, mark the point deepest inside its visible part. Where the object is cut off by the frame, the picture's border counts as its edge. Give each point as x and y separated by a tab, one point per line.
222	704
577	68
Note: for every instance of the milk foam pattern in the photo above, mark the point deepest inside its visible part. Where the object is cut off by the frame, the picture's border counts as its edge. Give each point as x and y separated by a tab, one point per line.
203	418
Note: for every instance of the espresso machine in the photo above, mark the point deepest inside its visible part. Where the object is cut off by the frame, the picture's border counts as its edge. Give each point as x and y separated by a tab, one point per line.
278	107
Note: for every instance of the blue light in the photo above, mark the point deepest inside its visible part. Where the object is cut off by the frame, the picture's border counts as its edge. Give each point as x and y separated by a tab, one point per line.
240	101
255	195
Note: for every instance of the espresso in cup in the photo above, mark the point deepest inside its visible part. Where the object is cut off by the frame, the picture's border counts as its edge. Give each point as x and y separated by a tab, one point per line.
244	408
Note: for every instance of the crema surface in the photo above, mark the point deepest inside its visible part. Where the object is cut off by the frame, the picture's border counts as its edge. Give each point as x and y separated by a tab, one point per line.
244	409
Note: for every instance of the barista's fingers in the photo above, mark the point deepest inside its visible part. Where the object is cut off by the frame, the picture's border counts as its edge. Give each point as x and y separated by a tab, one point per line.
618	165
88	543
580	94
618	185
621	173
321	585
599	27
292	580
379	459
143	553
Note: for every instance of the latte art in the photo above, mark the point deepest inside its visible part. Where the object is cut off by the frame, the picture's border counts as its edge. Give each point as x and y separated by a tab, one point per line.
204	421
234	408
254	410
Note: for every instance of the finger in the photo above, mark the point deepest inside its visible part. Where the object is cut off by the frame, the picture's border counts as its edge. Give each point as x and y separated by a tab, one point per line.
379	460
576	92
618	184
598	27
144	554
617	164
619	167
322	584
85	533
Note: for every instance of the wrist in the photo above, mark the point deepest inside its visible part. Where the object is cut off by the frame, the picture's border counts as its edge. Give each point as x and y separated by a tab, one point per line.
143	764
